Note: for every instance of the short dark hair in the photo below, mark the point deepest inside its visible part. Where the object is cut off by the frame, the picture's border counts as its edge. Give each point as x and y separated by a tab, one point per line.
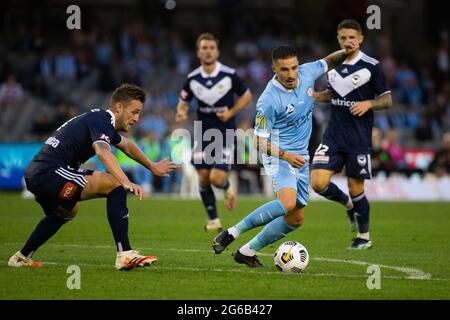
283	52
127	92
206	36
350	24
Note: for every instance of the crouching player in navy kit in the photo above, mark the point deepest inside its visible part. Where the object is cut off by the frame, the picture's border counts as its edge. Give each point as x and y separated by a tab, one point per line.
283	127
55	178
356	88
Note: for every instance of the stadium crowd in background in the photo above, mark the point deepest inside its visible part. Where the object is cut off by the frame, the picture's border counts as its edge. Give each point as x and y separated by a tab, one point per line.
37	65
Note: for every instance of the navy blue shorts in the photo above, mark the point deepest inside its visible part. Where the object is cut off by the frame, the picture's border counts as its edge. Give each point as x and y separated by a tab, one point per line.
210	156
58	187
357	164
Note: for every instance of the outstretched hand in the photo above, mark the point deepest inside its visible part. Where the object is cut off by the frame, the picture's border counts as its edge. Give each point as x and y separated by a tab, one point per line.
134	188
351	46
164	166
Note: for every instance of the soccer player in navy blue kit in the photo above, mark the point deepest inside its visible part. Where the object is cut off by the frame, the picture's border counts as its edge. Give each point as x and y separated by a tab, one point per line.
357	87
214	86
55	178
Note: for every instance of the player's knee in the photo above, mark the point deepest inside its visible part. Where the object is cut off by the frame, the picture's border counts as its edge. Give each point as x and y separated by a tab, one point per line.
217	181
203	181
288	202
318	181
295	219
66	214
355	187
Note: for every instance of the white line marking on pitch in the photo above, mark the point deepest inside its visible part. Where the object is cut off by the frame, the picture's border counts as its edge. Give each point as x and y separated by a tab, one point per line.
195	269
412	273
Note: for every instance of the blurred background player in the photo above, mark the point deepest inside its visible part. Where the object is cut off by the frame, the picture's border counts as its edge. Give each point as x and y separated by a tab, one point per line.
214	86
283	127
55	178
356	88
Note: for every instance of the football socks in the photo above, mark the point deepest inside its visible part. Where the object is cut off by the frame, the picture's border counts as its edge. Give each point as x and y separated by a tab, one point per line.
116	205
272	232
209	201
261	216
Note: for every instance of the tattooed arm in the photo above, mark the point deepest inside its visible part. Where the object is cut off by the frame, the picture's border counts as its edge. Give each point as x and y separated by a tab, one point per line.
265	146
381	102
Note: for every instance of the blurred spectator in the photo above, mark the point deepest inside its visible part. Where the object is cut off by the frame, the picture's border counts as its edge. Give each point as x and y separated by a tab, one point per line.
247	167
392	146
408	85
42	127
11	92
153	121
440	165
151	146
381	159
65	65
424	132
259	71
246	49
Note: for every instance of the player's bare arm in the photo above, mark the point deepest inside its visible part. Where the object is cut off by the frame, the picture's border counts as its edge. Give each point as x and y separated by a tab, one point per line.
336	58
241	103
182	111
382	102
271	149
104	154
322	96
161	168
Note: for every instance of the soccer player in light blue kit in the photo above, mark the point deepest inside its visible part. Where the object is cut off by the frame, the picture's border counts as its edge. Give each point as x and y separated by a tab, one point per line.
282	130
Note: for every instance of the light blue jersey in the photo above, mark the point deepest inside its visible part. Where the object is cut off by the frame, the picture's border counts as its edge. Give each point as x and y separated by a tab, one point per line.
285	118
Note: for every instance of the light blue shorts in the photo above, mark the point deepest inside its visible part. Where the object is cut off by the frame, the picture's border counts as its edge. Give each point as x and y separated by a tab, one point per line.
285	176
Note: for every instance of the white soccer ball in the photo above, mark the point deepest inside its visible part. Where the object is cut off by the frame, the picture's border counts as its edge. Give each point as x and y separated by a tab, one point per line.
291	256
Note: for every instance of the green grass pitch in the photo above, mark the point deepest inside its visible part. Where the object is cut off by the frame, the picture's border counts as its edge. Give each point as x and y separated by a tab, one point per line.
411	246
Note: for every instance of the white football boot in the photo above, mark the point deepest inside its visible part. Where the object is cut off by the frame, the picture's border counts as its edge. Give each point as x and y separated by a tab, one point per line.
213	225
127	260
19	260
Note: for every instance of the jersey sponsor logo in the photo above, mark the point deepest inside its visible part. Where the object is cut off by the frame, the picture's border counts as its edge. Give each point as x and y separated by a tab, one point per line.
343	103
290	109
52	141
345	85
68	191
362	160
211	95
310	91
105	137
300	122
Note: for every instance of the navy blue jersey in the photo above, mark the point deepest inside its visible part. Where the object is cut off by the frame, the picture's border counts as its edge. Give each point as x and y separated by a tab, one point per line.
357	80
72	143
214	93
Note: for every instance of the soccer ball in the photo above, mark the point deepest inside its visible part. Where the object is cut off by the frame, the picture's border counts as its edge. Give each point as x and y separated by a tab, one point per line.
291	256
